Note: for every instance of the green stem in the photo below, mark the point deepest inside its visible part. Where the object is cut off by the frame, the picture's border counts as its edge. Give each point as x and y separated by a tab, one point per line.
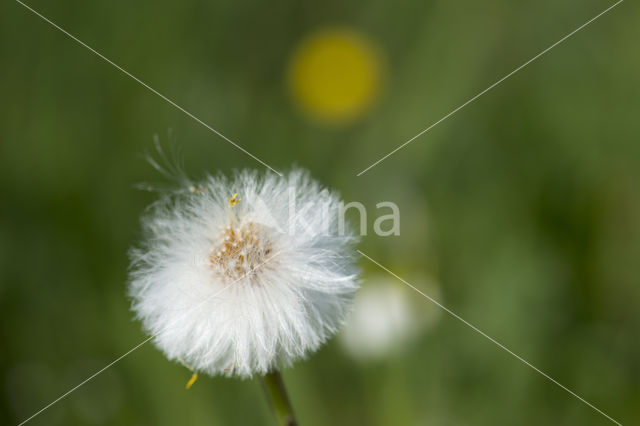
277	394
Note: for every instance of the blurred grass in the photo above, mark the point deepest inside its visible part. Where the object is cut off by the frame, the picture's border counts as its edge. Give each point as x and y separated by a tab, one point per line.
524	205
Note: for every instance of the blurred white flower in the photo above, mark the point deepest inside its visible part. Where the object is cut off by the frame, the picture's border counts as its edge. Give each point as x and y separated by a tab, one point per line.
230	279
386	317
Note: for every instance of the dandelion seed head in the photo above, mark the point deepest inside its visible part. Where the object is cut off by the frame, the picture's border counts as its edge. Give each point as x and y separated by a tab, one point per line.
247	270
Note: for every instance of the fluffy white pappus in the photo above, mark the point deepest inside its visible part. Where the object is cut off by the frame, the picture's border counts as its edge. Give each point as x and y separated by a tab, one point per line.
238	275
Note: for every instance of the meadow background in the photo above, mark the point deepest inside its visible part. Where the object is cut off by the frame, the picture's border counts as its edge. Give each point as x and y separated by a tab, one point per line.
521	212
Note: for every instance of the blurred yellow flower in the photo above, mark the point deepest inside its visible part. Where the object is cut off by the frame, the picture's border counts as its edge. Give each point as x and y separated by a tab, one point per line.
335	75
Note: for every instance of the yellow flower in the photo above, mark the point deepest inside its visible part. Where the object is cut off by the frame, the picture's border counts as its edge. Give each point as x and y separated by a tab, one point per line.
335	75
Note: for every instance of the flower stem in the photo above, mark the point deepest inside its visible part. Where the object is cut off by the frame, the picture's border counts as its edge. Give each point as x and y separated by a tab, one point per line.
277	395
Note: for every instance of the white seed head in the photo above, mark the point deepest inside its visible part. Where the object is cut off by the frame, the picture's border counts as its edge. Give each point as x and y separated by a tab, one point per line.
232	280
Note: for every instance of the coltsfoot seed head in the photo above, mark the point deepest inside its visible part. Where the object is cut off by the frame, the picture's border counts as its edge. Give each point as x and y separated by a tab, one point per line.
229	274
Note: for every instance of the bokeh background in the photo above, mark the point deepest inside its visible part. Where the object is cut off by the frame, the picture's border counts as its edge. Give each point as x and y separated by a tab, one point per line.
521	212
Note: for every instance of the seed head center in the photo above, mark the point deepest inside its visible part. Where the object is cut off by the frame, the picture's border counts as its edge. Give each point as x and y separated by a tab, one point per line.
241	250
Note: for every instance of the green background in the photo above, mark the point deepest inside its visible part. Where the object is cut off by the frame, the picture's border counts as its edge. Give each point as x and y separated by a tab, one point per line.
525	205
